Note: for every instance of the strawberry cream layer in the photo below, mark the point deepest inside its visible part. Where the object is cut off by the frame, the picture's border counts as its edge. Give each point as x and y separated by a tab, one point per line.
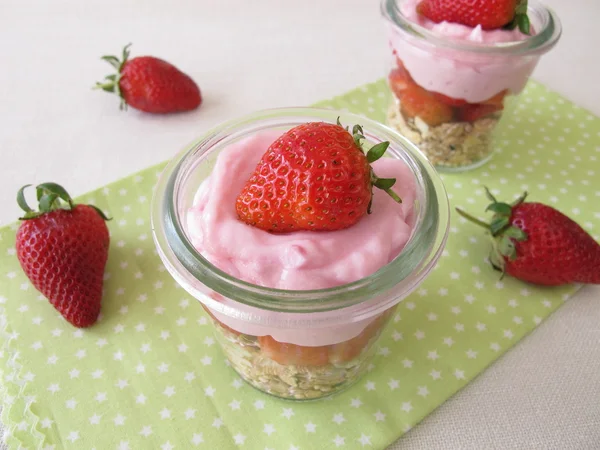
474	77
298	260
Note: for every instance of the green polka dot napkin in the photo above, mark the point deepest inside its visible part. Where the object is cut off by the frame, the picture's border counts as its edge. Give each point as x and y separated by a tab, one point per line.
149	375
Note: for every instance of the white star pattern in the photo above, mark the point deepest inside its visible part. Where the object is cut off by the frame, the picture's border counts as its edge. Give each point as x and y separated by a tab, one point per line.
449	341
146	431
189	377
269	429
165	414
356	403
140	327
239	439
259	404
287	413
100	397
339	418
235	405
73	436
95	419
393	384
217	423
406	407
407	363
140	399
459	374
119	420
169	391
197	438
210	391
310	427
433	355
339	440
435	374
167	446
471	354
364	439
190	413
423	391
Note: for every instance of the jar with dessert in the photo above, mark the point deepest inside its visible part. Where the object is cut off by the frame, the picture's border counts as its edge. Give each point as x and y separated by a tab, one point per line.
299	231
454	68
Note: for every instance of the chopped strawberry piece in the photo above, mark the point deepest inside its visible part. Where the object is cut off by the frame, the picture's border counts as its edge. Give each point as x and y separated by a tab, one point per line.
417	102
496	100
449	100
292	354
471	113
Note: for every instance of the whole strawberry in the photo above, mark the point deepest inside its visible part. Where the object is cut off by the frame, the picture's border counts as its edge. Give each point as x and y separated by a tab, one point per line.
63	249
150	84
539	244
490	14
313	177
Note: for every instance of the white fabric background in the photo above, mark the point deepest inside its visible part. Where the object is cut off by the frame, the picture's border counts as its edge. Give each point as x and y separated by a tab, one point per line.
247	55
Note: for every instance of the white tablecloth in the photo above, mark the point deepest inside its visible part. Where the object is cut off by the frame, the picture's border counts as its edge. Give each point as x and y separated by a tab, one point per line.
247	55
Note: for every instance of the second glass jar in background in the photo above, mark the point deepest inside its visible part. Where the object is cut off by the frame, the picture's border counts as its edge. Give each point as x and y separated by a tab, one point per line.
450	84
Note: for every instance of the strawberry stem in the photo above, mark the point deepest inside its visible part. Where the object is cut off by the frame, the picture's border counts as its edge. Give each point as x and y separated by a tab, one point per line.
111	82
473	219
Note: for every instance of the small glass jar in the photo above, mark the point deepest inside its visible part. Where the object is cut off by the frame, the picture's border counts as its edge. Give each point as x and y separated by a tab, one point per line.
296	344
450	84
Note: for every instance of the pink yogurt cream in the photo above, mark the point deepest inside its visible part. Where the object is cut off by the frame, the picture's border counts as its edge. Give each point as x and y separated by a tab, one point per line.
474	77
299	260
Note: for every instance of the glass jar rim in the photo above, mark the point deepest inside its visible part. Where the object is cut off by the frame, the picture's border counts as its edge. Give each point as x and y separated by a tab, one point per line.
540	42
400	276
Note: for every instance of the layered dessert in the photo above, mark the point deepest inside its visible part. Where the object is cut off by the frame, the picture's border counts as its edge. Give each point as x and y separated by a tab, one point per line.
284	218
449	82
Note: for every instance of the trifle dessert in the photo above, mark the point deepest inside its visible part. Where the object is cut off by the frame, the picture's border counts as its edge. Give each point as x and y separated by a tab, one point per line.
299	237
454	67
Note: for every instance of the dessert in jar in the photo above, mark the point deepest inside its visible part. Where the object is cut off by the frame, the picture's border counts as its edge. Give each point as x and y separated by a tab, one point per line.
453	68
299	239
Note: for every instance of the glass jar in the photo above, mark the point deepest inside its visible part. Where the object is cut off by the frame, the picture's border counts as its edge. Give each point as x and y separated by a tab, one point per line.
296	344
450	83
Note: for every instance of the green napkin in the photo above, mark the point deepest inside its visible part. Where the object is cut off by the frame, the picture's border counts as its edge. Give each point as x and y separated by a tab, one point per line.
149	375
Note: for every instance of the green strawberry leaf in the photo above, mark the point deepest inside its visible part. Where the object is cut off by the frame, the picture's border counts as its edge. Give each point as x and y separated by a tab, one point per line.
21	201
523	23
384	183
99	211
112	60
58	190
489	195
501	208
377	151
506	247
515	233
47	202
498	224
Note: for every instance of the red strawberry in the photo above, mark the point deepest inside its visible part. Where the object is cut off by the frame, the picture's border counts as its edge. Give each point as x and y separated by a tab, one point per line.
538	244
417	102
292	354
313	177
151	84
489	14
63	250
473	112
